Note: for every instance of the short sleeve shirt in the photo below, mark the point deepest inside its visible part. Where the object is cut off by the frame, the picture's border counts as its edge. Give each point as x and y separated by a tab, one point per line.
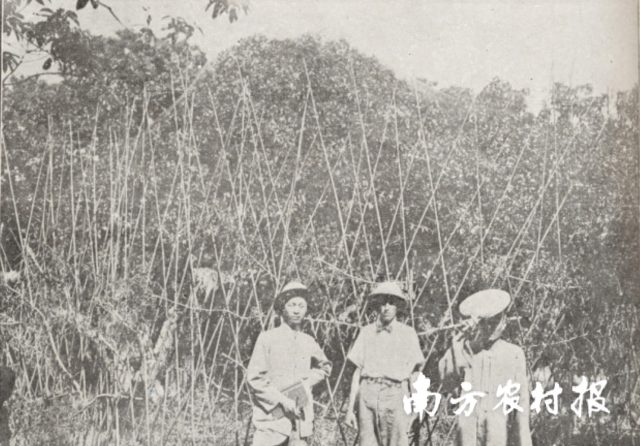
387	354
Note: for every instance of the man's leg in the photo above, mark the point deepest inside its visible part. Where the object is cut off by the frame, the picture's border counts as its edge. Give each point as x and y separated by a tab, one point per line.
268	438
367	413
295	439
394	422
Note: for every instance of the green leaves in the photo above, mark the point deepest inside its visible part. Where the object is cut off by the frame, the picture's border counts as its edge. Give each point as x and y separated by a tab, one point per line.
9	61
233	15
225	6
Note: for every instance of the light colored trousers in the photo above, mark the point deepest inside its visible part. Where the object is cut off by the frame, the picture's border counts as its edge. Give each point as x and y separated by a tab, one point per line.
382	420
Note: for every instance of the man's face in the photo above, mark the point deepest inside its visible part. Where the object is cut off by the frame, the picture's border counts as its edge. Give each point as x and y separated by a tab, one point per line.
388	309
294	311
487	326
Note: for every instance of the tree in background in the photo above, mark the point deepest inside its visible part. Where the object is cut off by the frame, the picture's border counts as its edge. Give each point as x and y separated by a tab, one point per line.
57	37
132	185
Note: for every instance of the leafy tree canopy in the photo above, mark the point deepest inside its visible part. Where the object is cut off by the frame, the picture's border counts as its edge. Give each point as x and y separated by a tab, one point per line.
56	33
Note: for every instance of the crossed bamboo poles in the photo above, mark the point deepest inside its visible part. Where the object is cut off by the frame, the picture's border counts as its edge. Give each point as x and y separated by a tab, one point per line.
278	244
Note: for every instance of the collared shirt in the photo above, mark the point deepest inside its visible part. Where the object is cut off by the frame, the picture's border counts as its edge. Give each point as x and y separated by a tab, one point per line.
387	354
486	370
282	357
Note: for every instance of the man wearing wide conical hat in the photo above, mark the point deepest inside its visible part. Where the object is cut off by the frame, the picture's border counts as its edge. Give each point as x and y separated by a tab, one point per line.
286	363
387	355
478	357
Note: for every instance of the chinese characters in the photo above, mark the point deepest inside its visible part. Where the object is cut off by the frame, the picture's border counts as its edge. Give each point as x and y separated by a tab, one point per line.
509	398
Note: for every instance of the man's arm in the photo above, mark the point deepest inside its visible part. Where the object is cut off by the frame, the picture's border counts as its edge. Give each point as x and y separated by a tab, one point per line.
350	418
453	364
257	377
417	358
416	371
356	356
322	368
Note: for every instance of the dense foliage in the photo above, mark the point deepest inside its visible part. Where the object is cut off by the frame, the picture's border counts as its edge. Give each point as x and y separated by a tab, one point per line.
151	207
43	29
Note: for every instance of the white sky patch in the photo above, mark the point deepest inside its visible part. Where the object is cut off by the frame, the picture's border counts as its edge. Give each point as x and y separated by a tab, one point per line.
530	44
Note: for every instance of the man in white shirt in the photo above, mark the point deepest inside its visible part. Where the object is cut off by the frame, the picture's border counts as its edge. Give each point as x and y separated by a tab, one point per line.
386	355
479	357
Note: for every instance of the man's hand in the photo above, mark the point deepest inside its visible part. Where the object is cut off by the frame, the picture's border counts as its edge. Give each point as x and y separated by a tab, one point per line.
350	420
457	344
457	347
290	408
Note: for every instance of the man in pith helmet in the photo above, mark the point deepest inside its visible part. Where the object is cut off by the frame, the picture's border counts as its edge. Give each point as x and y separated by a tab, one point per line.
479	358
387	355
286	363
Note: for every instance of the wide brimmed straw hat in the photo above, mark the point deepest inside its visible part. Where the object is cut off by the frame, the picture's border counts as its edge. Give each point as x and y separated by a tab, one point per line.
485	304
388	289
